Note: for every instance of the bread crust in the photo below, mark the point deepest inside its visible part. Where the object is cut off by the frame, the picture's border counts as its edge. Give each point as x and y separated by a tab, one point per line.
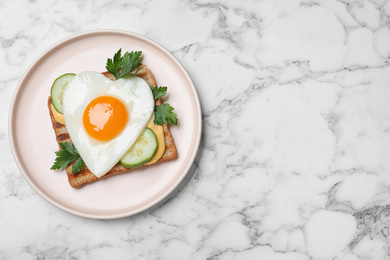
85	176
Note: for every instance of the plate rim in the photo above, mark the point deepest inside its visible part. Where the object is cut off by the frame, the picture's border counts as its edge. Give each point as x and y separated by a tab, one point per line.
17	93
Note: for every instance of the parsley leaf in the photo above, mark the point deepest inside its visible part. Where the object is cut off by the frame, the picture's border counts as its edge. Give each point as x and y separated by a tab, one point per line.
68	147
129	62
65	156
78	165
121	66
163	114
158	92
62	161
114	66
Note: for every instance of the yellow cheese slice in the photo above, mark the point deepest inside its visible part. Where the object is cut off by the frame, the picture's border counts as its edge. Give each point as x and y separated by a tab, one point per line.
57	116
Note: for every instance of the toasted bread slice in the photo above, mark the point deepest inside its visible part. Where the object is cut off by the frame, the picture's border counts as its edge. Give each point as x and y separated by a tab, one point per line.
85	176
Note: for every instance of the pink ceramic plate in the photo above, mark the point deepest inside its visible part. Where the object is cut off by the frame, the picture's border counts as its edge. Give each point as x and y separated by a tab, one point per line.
33	140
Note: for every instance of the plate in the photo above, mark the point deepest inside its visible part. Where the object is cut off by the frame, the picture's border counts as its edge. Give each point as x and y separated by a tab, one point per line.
33	141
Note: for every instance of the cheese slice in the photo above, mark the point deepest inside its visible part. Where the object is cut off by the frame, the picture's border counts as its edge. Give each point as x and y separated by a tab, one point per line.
60	118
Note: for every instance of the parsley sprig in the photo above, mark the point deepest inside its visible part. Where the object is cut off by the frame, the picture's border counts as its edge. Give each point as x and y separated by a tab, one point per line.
162	113
158	91
65	156
122	66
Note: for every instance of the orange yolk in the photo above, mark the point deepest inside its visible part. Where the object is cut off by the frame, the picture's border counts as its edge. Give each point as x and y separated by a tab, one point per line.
105	117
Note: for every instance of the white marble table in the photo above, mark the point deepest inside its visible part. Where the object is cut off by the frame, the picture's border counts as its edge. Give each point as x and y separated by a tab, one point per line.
294	160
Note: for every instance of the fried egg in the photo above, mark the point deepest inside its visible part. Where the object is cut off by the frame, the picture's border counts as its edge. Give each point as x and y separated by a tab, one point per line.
104	118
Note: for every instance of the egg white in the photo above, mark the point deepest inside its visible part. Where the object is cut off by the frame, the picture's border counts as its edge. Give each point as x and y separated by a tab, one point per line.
134	92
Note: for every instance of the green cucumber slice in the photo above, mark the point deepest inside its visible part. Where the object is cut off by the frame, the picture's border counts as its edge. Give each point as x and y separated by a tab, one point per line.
142	151
57	91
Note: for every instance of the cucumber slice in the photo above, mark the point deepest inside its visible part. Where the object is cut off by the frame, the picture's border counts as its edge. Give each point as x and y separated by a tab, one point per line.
57	91
142	151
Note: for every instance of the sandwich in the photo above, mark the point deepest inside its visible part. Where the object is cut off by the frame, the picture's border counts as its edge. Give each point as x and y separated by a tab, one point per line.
112	122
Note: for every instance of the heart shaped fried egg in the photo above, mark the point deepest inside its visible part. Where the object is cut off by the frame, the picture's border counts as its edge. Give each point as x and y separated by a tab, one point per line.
104	118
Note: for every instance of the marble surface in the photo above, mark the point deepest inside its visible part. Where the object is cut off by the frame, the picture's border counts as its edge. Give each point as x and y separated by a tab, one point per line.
294	161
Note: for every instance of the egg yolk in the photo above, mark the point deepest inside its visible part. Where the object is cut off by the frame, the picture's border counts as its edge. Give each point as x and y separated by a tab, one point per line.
104	118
